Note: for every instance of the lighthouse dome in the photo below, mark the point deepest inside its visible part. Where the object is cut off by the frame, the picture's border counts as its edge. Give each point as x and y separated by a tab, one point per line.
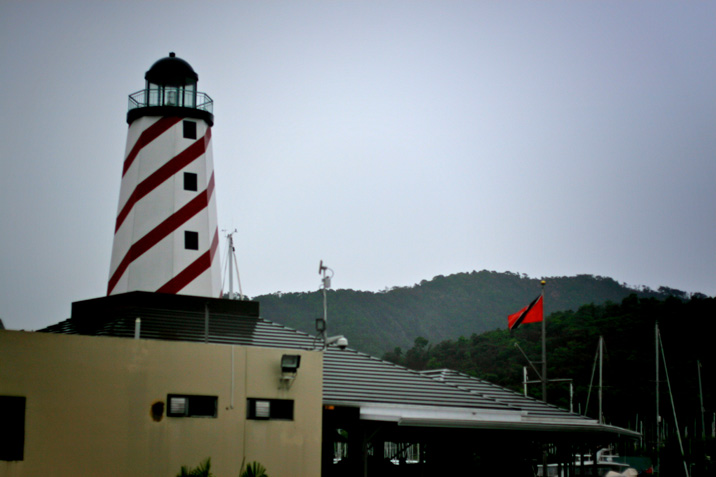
171	90
171	71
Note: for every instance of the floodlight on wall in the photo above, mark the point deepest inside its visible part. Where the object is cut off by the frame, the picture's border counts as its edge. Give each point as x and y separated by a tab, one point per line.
289	368
290	363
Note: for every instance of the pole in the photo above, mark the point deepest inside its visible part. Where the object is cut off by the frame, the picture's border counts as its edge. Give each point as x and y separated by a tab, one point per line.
601	359
544	372
325	312
591	379
673	409
530	362
231	267
701	398
325	285
658	417
238	278
544	349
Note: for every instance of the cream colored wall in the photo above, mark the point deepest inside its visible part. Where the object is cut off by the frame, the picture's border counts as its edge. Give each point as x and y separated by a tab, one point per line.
89	398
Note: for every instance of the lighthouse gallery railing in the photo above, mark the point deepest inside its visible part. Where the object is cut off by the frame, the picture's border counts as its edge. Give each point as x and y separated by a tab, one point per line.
177	97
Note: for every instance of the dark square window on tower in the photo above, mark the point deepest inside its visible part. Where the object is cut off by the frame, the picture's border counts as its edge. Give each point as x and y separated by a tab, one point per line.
190	181
191	240
189	129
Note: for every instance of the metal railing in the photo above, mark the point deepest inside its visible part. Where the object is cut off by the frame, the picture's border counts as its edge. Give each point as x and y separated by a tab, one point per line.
171	97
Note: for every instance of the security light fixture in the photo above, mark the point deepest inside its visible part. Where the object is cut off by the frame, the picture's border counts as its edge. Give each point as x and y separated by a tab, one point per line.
320	325
289	367
290	363
340	341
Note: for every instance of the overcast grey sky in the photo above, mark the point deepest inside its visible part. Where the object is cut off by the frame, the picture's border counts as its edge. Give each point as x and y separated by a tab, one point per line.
395	140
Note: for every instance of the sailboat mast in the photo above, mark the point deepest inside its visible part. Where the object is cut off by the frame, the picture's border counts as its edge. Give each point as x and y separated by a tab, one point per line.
673	408
658	416
701	399
601	359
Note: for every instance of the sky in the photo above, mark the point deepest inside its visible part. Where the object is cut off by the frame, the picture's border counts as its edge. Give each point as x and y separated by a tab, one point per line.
394	140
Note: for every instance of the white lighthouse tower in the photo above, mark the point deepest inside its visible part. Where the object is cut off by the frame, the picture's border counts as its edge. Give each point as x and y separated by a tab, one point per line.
166	234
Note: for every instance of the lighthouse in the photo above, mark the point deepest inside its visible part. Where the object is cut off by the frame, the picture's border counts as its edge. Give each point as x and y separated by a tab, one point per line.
166	233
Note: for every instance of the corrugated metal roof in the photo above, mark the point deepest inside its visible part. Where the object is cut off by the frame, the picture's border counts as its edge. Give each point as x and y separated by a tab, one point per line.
350	378
354	377
499	393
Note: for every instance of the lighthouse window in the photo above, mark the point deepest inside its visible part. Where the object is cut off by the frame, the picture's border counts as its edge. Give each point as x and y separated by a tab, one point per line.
189	130
190	181
191	240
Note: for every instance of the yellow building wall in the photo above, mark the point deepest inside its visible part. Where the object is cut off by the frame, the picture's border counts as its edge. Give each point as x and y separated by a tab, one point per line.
88	406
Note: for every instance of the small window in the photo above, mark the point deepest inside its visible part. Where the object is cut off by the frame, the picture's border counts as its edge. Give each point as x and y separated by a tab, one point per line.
189	129
187	405
263	409
191	240
191	181
12	423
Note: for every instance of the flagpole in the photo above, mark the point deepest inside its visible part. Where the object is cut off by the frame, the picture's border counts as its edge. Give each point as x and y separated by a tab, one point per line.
544	372
544	349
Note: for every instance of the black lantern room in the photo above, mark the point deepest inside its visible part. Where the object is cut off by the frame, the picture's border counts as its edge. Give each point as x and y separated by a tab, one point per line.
171	91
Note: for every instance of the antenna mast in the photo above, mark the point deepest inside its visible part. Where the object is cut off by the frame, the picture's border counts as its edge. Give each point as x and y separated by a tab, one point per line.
232	266
322	323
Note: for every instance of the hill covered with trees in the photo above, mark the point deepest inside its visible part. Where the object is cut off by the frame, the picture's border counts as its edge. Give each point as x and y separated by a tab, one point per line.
443	308
459	322
687	365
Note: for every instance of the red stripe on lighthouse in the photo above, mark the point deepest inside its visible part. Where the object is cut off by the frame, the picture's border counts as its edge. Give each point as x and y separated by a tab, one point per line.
196	268
178	162
196	205
147	136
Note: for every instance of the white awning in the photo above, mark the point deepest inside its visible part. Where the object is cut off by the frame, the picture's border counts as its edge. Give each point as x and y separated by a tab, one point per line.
426	415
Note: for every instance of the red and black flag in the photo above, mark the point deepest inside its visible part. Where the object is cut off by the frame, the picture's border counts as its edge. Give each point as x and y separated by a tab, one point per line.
532	313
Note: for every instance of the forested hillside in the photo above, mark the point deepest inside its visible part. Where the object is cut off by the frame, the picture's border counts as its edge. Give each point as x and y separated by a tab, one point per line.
440	309
629	371
459	322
